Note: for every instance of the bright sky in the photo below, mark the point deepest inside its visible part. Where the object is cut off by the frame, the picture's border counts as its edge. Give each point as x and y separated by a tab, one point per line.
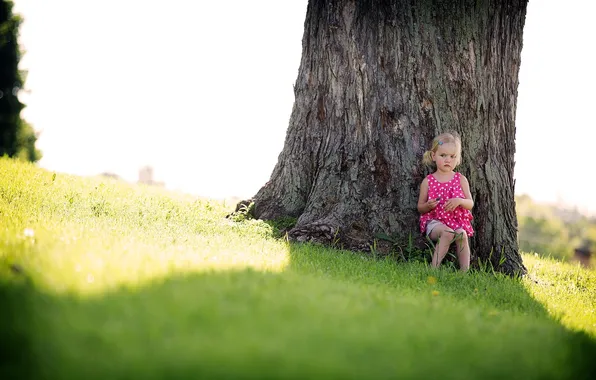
202	91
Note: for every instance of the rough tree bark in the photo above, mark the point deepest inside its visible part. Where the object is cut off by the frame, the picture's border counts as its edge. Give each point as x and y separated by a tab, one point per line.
377	81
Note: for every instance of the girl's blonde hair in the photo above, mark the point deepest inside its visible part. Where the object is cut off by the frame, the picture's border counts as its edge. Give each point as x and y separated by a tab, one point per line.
443	138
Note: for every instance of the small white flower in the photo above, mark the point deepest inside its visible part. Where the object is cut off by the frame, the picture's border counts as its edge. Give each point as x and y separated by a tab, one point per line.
29	232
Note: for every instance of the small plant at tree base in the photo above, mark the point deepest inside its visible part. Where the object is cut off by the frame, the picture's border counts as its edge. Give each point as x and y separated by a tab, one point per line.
404	249
244	211
373	248
488	267
336	240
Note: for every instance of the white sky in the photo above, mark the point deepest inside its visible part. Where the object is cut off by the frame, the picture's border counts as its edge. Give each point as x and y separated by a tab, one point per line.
202	91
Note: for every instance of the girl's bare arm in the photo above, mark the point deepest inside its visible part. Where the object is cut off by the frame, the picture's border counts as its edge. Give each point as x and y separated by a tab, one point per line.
467	202
424	204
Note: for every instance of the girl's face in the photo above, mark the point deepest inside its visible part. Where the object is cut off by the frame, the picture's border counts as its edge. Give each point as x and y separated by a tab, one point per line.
445	157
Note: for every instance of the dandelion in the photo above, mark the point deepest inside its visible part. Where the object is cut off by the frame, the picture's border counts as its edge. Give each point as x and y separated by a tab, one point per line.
431	280
28	232
435	293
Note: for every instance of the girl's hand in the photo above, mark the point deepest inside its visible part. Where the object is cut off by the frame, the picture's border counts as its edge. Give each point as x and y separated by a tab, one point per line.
452	204
431	204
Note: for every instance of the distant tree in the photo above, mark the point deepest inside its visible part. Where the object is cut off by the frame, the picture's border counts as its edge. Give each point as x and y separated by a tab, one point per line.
545	236
17	137
553	230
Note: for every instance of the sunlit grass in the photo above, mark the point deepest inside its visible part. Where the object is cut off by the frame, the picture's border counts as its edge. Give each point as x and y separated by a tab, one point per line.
567	291
104	279
90	236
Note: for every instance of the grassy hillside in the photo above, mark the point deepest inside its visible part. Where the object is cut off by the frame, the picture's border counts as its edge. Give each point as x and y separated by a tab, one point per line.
100	279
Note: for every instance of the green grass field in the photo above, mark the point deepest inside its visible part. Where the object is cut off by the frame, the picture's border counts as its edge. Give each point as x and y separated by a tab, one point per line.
101	279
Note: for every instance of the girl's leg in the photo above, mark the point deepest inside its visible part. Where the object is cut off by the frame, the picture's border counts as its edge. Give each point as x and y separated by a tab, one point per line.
463	250
444	236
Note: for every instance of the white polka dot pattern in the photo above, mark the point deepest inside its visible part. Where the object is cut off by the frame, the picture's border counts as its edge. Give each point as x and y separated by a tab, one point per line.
456	219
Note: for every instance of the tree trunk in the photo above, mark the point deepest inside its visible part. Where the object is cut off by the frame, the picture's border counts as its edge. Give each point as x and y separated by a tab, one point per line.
377	81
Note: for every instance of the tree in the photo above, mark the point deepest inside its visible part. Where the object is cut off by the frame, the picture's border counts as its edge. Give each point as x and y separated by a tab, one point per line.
378	79
17	137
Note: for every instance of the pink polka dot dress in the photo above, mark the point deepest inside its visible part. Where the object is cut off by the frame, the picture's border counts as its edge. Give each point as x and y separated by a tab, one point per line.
458	218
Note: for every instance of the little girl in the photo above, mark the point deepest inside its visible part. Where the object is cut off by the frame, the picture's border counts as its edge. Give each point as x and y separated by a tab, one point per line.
445	201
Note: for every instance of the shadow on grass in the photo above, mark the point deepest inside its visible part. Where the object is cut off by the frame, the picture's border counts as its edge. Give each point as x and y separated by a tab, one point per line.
477	288
330	314
506	310
15	330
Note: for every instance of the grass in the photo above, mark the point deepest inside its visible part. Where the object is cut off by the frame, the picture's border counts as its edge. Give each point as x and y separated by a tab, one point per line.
101	279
